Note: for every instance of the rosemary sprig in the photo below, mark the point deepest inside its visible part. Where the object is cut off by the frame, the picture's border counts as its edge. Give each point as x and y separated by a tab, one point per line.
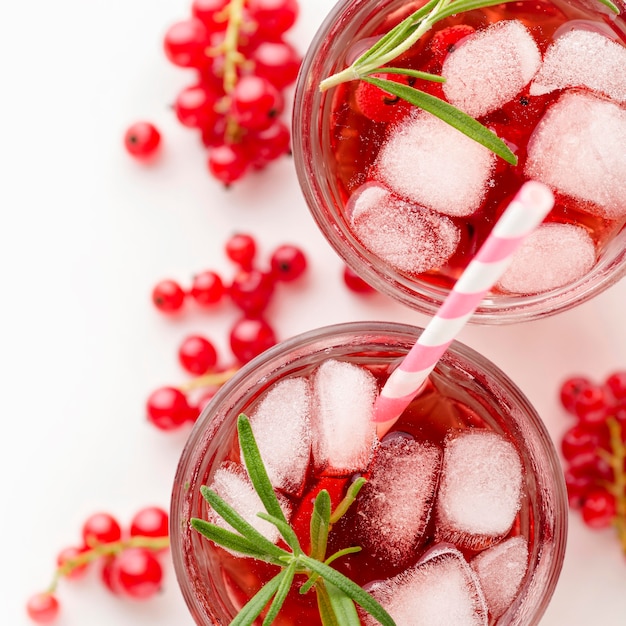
337	595
400	39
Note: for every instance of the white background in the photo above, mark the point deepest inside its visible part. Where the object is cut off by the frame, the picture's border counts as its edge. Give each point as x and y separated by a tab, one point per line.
86	232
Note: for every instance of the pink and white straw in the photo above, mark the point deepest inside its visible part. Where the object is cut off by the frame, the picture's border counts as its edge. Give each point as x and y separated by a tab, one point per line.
527	210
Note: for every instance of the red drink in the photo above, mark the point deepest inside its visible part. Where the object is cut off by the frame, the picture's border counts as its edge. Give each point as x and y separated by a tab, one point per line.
414	242
466	395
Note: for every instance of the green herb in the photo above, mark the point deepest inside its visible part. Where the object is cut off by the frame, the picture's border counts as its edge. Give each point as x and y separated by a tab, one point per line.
397	41
337	595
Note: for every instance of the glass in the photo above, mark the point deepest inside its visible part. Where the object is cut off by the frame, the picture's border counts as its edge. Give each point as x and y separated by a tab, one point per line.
328	181
462	375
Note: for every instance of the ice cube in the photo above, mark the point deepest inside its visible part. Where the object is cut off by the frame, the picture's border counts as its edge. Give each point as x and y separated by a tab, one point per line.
343	404
429	162
407	236
440	590
582	58
281	425
500	570
479	489
550	257
578	149
490	67
395	504
232	484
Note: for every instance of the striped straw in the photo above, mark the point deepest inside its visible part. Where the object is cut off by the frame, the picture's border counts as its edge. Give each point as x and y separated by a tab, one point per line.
527	210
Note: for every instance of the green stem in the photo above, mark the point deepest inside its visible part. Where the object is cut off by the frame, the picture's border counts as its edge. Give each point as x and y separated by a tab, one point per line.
209	380
106	549
617	459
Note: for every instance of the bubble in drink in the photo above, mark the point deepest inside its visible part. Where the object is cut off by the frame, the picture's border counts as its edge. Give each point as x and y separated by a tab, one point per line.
282	428
480	489
343	439
408	236
550	257
441	590
583	58
500	570
427	161
578	149
232	484
490	67
395	505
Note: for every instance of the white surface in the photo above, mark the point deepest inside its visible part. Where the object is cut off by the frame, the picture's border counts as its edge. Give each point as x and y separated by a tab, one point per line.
86	233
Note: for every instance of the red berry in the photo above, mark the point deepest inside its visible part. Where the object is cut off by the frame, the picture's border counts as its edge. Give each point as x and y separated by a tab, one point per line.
579	439
443	41
616	383
228	162
107	575
207	288
251	290
591	405
274	17
571	389
211	13
579	483
167	408
599	509
355	283
195	107
101	528
277	61
168	296
151	521
42	608
197	355
66	556
250	337
381	106
142	140
241	249
256	103
288	263
269	144
137	573
185	43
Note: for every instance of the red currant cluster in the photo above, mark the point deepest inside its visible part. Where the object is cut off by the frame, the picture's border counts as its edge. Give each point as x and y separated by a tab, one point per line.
129	561
594	449
242	65
250	290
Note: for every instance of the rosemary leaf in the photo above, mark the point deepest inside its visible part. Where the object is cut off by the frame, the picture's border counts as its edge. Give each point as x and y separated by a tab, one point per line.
319	526
462	6
435	78
348	499
449	114
257	603
350	588
287	532
343	606
256	469
324	606
224	510
230	540
281	592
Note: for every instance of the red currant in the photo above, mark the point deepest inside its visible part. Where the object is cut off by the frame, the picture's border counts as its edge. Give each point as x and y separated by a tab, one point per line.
43	608
108	575
228	162
381	106
211	13
443	41
591	404
256	103
151	521
288	263
599	509
277	61
197	355
355	283
616	383
66	556
168	296
137	573
249	337
101	528
269	144
142	140
571	389
185	43
207	288
274	17
579	439
195	107
251	290
241	249
167	408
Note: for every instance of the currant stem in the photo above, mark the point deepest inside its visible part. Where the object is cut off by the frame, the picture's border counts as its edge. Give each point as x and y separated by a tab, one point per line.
209	380
105	549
